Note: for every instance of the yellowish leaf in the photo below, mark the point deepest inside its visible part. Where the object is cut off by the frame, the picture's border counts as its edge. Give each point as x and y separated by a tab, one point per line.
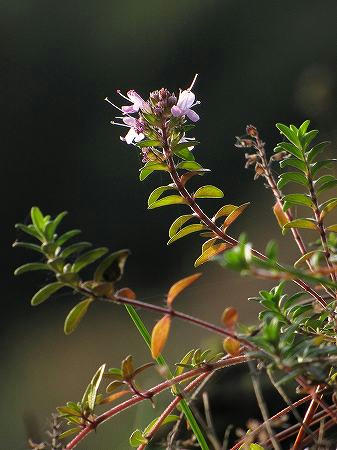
234	215
178	287
210	252
113	397
159	336
231	346
230	317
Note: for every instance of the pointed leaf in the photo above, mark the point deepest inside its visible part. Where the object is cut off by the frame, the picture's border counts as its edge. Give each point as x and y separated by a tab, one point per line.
183	363
289	134
151	167
30	267
302	223
37	219
137	438
28	245
159	336
294	162
168	419
29	229
178	287
210	252
328	185
188	175
229	317
157	193
224	211
66	236
178	223
303	128
127	367
74	248
111	398
51	226
328	206
184	153
296	199
235	214
169	200
76	315
208	191
280	215
88	258
69	432
94	385
149	143
332	228
308	137
44	293
185	231
208	244
191	165
304	258
294	177
316	150
327	163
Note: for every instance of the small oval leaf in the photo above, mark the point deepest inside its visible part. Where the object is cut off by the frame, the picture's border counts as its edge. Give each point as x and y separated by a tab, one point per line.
30	267
88	258
159	336
169	200
235	214
44	293
208	191
187	230
302	223
76	315
178	223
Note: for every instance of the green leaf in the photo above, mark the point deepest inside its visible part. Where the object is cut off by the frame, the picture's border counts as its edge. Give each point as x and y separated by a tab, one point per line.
93	387
30	267
224	211
321	164
137	438
292	162
74	248
332	228
296	199
157	193
66	236
328	185
51	226
168	419
301	223
328	206
183	145
191	165
169	200
324	179
88	258
185	360
76	315
308	137
44	293
151	167
149	143
290	148
316	150
304	258
28	245
187	230
69	432
178	223
112	267
37	219
303	128
184	153
208	191
294	177
30	229
289	134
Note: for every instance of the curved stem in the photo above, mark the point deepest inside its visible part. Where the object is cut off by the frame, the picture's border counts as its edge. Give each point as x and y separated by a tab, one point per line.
206	369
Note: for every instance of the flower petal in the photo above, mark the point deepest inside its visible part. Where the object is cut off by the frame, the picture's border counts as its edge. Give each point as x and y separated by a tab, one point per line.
129	109
185	100
192	115
131	136
176	111
130	121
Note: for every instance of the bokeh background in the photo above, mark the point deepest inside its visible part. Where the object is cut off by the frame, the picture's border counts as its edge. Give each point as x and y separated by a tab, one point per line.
259	62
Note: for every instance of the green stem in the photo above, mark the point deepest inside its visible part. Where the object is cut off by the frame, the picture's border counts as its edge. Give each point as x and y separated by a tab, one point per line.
161	362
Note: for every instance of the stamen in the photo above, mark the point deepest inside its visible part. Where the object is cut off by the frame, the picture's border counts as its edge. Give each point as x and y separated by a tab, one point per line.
120	124
122	95
192	84
107	100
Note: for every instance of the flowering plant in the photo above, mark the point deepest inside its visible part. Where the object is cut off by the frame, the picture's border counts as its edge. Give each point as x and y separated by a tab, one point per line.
294	342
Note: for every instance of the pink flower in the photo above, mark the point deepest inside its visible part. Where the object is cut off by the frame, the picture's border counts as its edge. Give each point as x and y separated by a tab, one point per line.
137	103
135	133
183	107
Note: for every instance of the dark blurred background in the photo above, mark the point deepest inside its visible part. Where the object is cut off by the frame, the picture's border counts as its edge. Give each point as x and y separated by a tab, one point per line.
259	62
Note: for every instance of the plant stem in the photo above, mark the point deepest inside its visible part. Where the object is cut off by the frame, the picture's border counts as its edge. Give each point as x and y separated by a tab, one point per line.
209	223
205	369
161	362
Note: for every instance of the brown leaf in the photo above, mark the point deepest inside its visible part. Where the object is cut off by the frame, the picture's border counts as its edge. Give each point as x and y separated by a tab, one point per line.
160	334
178	287
231	346
127	293
210	252
230	317
280	215
127	367
234	215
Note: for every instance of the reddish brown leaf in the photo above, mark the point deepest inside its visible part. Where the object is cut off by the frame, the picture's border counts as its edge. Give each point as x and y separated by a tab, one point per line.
127	293
231	346
229	317
113	397
280	215
160	334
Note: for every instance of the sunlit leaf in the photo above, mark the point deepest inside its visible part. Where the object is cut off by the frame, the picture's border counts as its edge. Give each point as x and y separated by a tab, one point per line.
183	362
297	199
149	143
327	163
69	432
188	175
328	206
224	211
178	223
37	219
328	185
280	215
304	258
112	267
302	223
316	150
28	245
235	214
294	162
229	317
137	438
66	236
45	292
91	391
290	135
208	191
294	177
29	229
157	193
159	336
187	230
332	228
151	167
51	226
111	398
168	419
169	200
210	252
179	286
76	315
191	165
